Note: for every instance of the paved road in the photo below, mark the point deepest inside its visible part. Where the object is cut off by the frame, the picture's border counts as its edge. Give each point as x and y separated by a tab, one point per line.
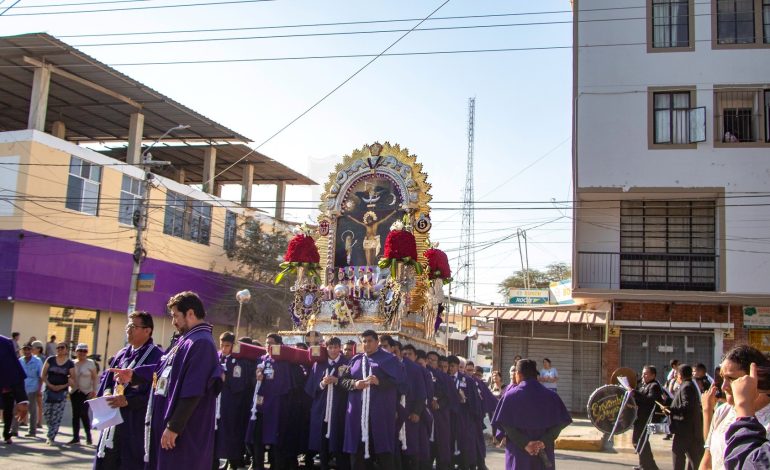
33	454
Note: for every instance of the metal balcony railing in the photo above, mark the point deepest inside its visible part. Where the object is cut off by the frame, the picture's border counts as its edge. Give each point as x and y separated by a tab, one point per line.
655	271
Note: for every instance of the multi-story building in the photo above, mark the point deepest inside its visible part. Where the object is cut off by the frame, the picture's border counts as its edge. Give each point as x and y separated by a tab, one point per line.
68	212
671	185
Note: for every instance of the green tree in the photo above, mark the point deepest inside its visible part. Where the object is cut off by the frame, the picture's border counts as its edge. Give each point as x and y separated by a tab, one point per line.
537	279
258	254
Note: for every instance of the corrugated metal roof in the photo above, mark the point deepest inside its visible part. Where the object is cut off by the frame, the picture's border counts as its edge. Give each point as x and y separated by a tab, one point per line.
546	315
190	158
89	115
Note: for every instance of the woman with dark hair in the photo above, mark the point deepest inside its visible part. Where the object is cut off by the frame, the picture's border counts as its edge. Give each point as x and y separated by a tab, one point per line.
58	374
716	420
497	386
548	375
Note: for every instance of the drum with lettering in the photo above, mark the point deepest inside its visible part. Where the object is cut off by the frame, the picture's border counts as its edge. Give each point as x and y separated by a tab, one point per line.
604	406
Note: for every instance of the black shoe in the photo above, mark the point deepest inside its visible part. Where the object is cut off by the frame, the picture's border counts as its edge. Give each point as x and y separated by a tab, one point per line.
667	437
74	441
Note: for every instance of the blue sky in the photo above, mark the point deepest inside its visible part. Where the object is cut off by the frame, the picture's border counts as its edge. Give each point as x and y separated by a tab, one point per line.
523	98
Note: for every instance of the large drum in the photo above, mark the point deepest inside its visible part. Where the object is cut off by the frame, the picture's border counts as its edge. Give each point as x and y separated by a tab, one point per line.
604	406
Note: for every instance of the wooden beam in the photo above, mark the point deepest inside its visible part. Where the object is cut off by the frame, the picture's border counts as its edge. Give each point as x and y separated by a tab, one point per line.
82	81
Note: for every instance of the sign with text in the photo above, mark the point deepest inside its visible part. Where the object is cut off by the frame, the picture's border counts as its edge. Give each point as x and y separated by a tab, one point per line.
145	282
756	317
528	296
562	292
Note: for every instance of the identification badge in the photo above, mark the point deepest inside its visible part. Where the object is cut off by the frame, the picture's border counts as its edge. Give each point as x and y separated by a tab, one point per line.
162	388
260	400
237	372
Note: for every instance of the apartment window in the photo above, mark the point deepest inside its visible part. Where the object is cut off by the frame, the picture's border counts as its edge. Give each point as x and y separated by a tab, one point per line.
130	197
83	186
186	218
670	23
742	22
674	121
668	245
741	115
230	230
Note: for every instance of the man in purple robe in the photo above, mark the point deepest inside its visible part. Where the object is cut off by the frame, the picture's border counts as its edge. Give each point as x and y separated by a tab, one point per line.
445	398
372	381
327	414
278	380
465	416
531	416
233	404
414	406
488	403
427	434
121	447
186	383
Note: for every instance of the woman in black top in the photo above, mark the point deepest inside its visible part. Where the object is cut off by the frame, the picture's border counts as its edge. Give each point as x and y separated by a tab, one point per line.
58	374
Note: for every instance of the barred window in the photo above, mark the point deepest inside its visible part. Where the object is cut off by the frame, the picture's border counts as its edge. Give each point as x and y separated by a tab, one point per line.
741	115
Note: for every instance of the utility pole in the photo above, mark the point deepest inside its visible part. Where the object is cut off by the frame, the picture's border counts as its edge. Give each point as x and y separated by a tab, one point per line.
466	281
141	216
522	256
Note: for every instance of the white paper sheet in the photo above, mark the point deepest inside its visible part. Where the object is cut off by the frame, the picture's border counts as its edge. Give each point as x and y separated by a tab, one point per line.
623	380
104	416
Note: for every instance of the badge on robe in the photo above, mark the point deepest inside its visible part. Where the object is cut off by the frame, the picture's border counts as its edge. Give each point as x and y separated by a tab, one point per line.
237	372
162	388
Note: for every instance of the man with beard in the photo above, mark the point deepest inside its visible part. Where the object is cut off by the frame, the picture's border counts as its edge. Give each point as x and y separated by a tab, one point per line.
186	383
118	447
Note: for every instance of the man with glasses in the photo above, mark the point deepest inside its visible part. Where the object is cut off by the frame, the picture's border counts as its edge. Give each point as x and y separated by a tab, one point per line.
121	447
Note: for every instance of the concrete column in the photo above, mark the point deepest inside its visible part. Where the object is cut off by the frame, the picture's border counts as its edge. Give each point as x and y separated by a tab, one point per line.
218	189
280	200
135	133
38	102
181	176
246	184
59	129
209	168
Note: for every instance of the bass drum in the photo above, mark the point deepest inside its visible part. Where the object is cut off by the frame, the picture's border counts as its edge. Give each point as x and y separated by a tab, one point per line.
604	407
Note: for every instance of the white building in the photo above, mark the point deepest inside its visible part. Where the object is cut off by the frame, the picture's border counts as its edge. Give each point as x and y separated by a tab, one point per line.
671	164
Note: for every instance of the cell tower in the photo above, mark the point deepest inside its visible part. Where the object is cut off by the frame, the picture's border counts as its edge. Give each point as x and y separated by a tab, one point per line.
466	266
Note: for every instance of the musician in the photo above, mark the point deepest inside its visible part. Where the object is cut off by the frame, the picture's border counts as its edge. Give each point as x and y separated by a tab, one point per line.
686	421
646	394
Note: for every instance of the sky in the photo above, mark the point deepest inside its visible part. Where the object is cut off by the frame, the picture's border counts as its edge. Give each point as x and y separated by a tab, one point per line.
523	97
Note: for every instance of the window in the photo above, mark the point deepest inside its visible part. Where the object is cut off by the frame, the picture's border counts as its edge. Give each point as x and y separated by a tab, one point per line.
741	115
230	230
741	22
189	219
130	198
674	120
670	23
668	245
83	186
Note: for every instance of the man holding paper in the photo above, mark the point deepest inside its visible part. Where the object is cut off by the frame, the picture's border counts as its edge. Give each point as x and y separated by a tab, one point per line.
646	394
121	447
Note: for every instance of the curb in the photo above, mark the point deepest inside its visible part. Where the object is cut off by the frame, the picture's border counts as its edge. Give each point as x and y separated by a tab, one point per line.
590	445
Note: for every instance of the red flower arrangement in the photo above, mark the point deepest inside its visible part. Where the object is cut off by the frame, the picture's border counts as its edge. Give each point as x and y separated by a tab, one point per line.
301	252
400	245
438	265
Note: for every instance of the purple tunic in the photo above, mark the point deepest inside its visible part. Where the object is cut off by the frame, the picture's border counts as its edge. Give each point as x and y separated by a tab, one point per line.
234	406
128	434
382	411
488	404
447	397
276	401
465	418
318	409
426	419
532	410
747	445
415	403
194	372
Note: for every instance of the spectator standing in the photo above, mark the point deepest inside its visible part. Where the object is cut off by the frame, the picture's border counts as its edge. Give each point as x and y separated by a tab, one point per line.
497	386
84	388
58	374
701	378
548	375
37	351
15	338
33	367
50	347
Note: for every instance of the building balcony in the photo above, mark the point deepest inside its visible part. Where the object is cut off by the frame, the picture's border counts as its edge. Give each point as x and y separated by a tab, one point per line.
647	271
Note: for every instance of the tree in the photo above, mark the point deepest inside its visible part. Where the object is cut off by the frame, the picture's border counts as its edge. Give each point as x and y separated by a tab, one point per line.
258	254
537	279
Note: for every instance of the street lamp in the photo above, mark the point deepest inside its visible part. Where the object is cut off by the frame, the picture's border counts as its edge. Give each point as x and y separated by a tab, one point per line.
140	214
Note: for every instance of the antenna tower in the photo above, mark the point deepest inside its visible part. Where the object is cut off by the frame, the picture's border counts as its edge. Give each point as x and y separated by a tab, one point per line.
466	266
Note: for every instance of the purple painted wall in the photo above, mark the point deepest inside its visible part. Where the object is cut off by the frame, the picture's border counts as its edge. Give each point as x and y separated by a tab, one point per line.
42	269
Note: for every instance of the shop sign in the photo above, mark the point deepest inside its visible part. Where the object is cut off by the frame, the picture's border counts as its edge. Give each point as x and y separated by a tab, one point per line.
528	296
756	317
145	282
562	292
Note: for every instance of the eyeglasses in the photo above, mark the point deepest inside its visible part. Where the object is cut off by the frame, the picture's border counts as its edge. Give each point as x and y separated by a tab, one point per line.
61	347
131	326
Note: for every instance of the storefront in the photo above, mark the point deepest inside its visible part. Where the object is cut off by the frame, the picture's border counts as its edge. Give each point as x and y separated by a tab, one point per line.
571	339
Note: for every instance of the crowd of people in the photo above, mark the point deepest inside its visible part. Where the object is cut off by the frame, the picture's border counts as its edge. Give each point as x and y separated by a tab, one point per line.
371	403
719	422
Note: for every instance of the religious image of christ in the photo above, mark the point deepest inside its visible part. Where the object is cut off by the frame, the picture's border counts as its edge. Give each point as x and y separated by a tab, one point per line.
370	208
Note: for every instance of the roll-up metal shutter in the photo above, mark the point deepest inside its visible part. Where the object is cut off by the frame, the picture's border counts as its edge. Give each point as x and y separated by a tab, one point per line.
559	352
640	348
